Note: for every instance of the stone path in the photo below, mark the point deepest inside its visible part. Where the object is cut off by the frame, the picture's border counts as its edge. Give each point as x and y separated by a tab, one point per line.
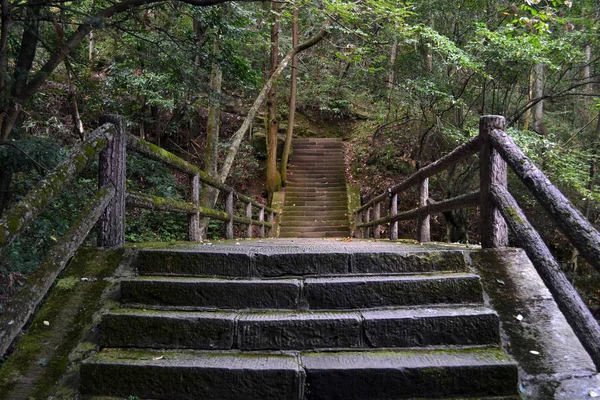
316	203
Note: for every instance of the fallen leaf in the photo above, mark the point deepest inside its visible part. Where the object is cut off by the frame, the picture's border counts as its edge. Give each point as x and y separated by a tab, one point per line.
535	353
46	323
594	394
519	317
157	358
500	281
53	238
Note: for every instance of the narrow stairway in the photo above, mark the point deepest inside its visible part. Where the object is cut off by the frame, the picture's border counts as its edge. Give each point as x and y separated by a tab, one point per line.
274	321
316	203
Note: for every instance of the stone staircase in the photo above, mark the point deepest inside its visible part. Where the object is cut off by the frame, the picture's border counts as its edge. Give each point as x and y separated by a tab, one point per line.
301	320
316	203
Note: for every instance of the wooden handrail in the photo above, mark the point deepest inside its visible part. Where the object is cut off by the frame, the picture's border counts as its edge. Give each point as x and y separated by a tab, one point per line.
463	151
499	212
25	212
156	153
576	312
575	226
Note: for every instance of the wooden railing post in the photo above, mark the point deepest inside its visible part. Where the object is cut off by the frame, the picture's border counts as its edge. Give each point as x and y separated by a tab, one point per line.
112	171
261	218
359	232
423	230
229	210
376	216
492	171
194	234
367	232
273	229
249	216
393	213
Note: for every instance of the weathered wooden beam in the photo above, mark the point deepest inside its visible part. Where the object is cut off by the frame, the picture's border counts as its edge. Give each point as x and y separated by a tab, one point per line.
580	232
271	224
393	212
21	308
376	216
368	225
229	211
159	154
469	200
249	216
359	232
492	171
22	214
461	152
261	220
194	233
576	312
112	171
423	230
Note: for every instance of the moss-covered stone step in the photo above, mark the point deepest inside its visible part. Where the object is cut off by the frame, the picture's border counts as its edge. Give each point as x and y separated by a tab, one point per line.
326	203
320	293
300	330
290	222
314	207
332	193
476	373
313	187
209	261
315	229
320	234
192	375
387	291
326	181
213	293
317	213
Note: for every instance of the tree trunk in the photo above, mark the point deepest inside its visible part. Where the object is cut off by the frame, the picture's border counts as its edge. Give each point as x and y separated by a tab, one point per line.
238	136
391	78
538	92
273	124
292	112
209	194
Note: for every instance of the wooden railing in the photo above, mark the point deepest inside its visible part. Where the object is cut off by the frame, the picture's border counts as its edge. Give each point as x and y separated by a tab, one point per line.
498	212
107	208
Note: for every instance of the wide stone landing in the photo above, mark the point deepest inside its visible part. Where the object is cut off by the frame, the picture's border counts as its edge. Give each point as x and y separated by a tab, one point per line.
302	319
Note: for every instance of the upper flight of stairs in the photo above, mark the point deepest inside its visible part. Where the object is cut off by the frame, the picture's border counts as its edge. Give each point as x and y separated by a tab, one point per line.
316	203
289	323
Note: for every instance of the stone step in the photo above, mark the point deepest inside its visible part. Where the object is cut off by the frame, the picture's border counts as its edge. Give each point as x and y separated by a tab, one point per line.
309	376
192	375
315	207
304	222
333	175
317	214
313	187
322	198
322	293
314	235
300	330
343	228
209	261
325	191
300	180
476	373
316	202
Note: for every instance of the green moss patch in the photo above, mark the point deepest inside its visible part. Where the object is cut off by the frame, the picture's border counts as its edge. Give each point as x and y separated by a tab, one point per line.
41	357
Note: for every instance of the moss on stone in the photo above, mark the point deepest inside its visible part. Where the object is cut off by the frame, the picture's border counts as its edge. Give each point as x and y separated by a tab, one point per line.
43	354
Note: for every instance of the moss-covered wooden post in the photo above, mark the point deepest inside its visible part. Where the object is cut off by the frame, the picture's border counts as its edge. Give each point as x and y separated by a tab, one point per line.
249	216
273	229
359	232
367	232
112	171
376	216
492	171
393	213
194	234
229	211
261	218
423	231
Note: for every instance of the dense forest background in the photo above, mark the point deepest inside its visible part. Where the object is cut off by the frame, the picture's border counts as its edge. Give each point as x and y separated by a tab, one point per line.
402	83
